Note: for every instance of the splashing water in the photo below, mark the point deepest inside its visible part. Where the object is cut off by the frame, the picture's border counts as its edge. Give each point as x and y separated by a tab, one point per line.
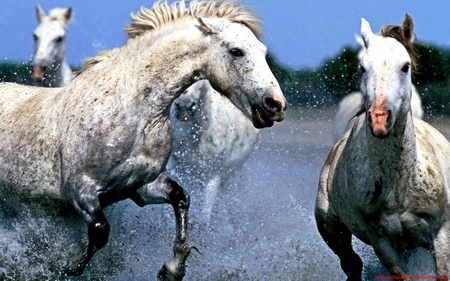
261	228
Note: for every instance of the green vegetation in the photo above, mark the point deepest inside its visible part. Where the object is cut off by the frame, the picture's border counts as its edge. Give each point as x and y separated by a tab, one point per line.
335	78
14	72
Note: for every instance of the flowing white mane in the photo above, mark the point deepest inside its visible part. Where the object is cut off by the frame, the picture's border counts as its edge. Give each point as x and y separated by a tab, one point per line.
163	13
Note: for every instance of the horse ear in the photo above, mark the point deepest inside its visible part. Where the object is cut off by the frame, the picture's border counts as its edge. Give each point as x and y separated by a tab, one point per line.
408	28
366	32
40	14
209	26
68	14
359	41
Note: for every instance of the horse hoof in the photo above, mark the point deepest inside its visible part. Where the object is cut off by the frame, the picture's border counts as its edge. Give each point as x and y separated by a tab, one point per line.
165	275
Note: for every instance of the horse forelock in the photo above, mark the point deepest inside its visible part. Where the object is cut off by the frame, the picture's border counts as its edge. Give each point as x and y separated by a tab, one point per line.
162	13
59	15
396	32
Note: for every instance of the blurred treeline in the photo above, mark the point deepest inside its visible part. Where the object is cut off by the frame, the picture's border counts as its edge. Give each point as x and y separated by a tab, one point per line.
327	84
338	76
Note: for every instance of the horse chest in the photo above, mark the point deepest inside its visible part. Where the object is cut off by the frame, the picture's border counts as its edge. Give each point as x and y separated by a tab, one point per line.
405	230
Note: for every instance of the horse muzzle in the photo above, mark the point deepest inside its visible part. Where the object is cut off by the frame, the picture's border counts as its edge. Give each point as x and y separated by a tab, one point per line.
38	73
272	110
380	122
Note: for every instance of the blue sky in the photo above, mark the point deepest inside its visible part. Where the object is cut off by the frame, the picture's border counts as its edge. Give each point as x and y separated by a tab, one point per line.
300	33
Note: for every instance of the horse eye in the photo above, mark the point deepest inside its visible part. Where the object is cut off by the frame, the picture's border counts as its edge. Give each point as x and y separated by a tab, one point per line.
35	38
363	70
59	39
237	52
405	68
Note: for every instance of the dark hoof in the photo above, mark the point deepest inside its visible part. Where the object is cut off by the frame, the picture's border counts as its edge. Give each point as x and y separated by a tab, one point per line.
165	275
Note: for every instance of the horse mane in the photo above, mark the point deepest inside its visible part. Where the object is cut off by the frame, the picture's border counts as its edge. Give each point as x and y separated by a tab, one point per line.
398	33
163	13
101	56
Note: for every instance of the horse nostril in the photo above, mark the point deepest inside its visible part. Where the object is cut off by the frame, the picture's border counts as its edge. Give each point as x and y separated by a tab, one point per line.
272	105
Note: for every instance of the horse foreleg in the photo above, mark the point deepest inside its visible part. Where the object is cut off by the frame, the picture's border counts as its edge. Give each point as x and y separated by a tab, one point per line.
165	190
212	190
98	233
175	268
339	238
88	206
442	251
387	255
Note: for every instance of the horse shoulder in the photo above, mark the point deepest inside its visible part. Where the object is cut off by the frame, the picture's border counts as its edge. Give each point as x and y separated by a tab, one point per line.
328	175
434	165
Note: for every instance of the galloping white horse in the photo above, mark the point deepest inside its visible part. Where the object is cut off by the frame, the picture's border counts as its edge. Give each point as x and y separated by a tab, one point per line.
387	180
211	140
350	105
106	135
49	66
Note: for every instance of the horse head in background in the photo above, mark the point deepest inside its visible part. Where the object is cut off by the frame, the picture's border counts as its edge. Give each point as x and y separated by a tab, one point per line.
211	140
49	66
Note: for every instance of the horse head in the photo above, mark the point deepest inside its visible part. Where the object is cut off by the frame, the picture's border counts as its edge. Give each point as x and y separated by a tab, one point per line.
49	40
190	105
386	66
238	68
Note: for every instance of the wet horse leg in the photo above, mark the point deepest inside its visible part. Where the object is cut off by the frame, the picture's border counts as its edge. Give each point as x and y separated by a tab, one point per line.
165	190
339	238
442	251
88	206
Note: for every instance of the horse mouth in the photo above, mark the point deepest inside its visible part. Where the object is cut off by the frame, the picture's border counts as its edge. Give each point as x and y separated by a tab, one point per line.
38	73
260	119
380	122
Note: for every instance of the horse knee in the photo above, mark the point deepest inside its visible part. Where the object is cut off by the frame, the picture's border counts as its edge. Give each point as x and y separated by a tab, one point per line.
177	197
98	233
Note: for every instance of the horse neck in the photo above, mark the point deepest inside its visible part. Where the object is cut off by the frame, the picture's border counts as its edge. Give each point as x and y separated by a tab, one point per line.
392	158
163	71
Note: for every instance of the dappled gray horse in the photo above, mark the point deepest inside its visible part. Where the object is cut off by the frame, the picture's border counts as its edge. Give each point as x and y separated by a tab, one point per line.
211	140
106	135
387	181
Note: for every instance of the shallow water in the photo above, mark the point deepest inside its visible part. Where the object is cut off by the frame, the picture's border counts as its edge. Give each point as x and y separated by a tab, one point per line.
262	226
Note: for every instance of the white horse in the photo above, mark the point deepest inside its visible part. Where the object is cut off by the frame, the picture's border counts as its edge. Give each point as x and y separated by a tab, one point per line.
50	68
387	180
351	104
106	135
211	140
